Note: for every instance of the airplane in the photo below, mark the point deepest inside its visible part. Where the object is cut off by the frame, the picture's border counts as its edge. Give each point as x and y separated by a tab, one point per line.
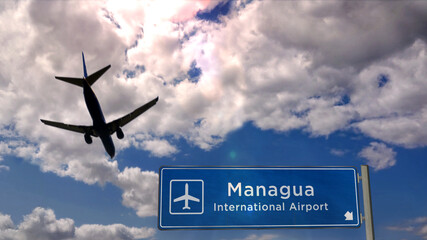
99	128
185	198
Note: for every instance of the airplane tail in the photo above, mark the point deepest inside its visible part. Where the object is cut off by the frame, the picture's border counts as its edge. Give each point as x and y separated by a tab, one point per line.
84	66
91	79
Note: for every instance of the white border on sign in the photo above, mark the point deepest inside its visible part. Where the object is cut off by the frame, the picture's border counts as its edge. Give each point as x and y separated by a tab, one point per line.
358	224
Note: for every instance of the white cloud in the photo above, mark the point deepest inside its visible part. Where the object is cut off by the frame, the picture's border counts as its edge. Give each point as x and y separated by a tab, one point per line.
4	167
140	190
420	220
397	111
6	222
338	152
42	224
114	231
139	187
17	148
283	84
157	147
416	227
379	156
260	237
399	228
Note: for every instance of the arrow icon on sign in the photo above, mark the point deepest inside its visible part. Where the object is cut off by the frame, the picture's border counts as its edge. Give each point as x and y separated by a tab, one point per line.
348	216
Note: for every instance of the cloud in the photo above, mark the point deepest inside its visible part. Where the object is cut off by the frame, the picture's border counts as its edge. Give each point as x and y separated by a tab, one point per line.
338	152
260	237
140	190
4	168
16	147
42	224
346	33
396	112
314	67
114	231
379	156
417	226
157	147
283	84
6	222
139	187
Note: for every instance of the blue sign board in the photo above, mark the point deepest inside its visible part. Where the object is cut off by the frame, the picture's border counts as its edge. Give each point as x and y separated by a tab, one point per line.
258	197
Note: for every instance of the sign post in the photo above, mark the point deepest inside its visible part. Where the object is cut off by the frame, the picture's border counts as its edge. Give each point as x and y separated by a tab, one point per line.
367	204
258	197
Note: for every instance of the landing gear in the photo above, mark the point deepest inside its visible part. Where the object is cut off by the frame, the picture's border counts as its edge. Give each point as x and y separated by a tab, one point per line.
119	133
88	138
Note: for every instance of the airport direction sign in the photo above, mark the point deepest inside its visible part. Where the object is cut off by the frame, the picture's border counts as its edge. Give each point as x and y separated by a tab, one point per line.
258	197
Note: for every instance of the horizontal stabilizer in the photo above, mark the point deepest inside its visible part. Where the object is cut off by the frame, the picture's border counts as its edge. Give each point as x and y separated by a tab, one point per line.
75	81
90	79
94	76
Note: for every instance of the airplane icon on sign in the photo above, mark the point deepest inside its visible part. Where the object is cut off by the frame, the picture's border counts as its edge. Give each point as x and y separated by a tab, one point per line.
186	197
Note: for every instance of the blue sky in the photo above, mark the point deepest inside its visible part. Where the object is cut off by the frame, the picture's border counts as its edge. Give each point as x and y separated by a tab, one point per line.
392	189
246	83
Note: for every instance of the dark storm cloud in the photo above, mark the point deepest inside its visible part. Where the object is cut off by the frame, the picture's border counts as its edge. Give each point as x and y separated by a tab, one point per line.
345	33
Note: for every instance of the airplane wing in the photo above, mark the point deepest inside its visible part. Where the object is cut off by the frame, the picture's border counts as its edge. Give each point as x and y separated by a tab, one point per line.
74	128
91	79
178	199
120	122
191	198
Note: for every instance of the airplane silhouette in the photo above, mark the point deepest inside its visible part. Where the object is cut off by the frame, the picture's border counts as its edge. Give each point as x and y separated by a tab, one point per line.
185	198
99	128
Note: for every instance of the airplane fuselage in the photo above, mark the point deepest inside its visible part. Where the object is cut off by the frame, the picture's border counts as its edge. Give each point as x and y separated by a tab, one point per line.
99	124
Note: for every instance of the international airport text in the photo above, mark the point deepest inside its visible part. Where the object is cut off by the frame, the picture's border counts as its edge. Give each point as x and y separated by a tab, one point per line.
261	207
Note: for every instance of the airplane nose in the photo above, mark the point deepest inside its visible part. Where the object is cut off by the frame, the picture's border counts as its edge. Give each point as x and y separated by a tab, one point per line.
110	149
111	152
108	145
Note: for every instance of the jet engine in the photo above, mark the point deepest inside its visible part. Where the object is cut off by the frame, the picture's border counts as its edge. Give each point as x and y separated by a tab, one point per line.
88	138
120	133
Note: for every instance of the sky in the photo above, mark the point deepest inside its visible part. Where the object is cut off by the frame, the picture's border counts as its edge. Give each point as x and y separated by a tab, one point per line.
242	83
